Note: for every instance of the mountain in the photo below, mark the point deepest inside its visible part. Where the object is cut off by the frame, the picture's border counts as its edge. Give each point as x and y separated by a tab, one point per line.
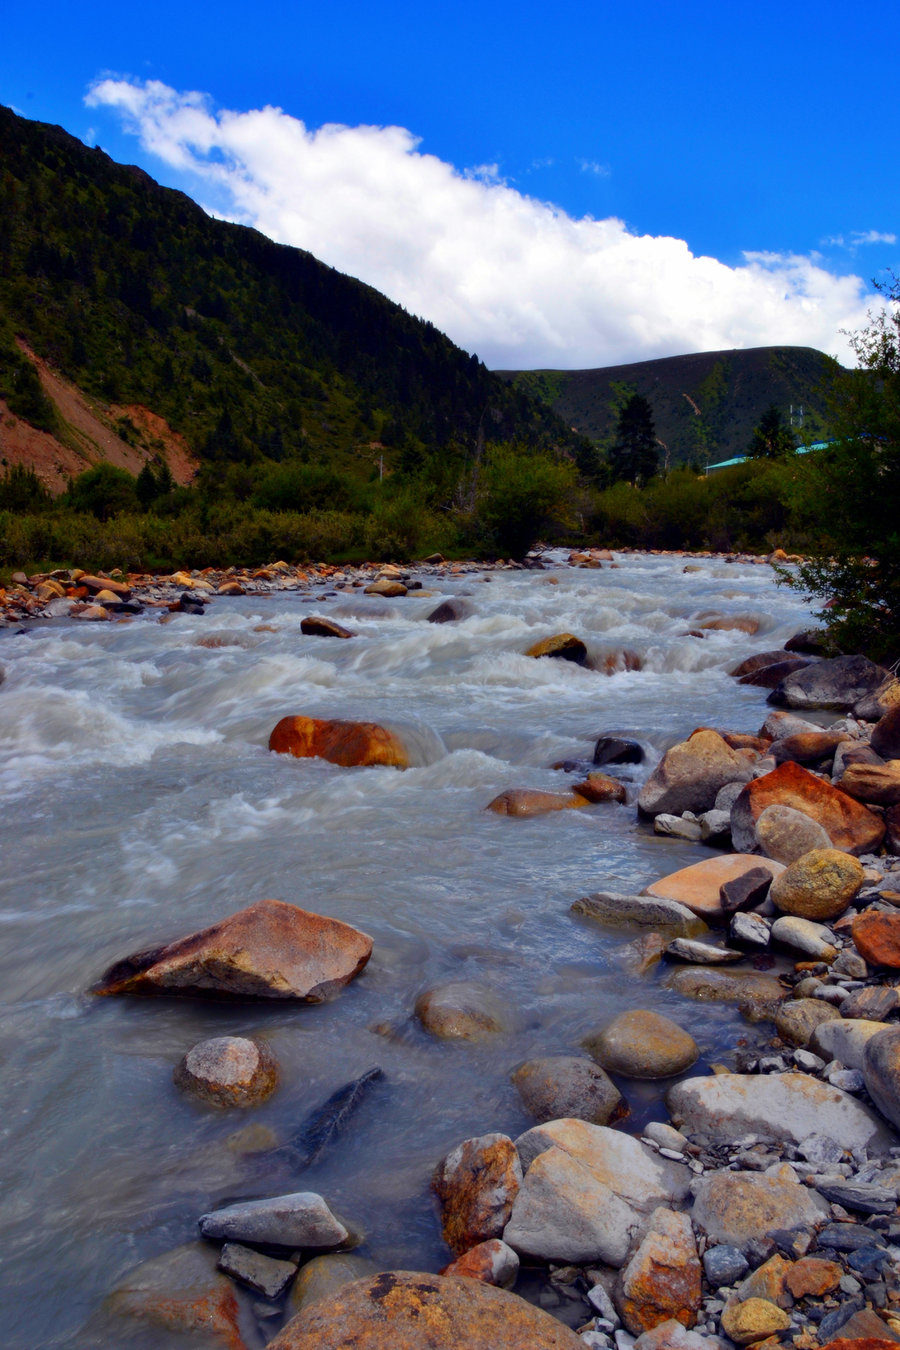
132	325
705	405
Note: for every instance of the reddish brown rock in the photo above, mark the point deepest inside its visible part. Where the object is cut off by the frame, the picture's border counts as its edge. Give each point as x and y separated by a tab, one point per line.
892	824
740	740
866	1328
476	1185
231	588
813	1275
757	662
613	663
876	935
405	1310
885	740
728	623
662	1280
95	584
770	676
875	783
850	826
345	743
315	625
562	646
600	787
180	1292
806	747
269	950
533	802
699	886
228	1071
492	1262
877	1342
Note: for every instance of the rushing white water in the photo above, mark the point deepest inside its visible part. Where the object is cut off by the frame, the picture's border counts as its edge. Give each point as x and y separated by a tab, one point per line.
138	802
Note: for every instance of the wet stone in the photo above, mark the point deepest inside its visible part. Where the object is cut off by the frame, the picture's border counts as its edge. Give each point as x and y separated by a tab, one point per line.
263	1274
228	1071
476	1185
301	1219
569	1085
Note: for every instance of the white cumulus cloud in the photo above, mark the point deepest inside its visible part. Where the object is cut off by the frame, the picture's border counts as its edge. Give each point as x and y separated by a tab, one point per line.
513	278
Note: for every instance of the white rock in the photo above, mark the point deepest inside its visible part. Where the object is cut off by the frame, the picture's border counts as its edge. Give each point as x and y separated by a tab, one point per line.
782	1107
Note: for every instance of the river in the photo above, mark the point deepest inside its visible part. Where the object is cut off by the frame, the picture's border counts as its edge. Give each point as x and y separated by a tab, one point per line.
138	802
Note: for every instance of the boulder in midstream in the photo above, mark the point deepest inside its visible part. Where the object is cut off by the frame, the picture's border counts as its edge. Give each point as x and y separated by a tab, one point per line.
559	1086
269	950
228	1071
690	774
300	1219
462	1010
642	1044
349	744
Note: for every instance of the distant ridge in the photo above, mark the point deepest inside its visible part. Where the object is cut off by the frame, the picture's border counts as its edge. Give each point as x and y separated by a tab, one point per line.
706	404
176	329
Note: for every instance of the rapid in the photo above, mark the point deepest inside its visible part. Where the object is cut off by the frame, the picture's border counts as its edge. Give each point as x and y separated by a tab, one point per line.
139	802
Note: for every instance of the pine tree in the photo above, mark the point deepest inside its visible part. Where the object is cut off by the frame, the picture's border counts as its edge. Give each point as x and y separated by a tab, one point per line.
634	455
771	439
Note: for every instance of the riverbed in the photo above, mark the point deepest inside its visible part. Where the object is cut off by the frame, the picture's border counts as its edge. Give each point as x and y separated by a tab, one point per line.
139	802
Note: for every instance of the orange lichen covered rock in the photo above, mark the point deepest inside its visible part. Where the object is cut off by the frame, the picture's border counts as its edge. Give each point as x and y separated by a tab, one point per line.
476	1185
269	950
406	1310
344	743
533	802
849	825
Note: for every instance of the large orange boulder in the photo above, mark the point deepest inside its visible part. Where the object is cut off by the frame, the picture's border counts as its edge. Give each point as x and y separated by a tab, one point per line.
406	1310
345	743
850	826
533	802
876	936
699	886
269	950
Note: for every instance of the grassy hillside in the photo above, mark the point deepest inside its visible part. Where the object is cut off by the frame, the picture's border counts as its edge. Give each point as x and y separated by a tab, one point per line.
705	405
247	349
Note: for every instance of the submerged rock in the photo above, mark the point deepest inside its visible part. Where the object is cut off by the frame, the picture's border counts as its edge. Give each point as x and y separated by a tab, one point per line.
181	1292
323	1125
315	625
325	1275
643	1044
265	1275
760	992
599	787
405	1310
346	743
462	1010
532	802
449	611
562	646
569	1086
269	950
228	1071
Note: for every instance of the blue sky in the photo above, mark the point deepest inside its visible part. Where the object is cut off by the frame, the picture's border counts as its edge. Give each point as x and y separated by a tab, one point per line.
564	185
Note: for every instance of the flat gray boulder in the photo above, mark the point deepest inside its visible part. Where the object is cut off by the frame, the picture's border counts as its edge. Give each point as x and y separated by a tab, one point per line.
301	1219
836	683
649	911
778	1106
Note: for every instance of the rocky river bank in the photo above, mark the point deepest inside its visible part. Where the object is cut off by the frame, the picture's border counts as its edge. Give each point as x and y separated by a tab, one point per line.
762	1209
